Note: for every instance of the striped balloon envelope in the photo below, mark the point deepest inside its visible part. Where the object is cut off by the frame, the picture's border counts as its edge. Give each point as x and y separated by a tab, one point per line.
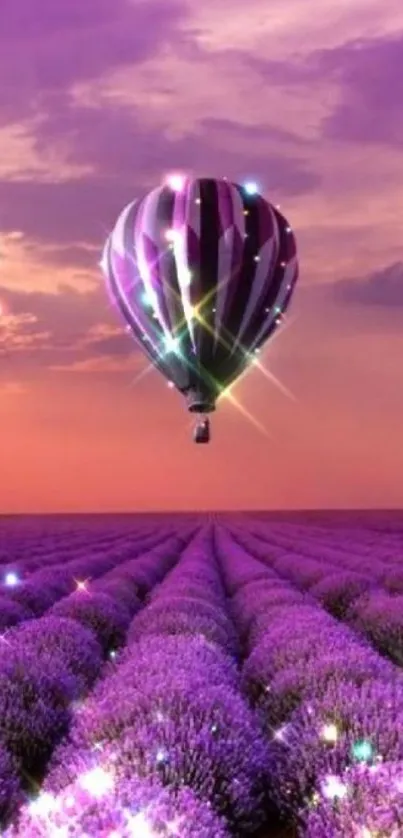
202	270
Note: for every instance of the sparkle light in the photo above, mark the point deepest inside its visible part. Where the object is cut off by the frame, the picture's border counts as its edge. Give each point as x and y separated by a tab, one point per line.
185	278
176	182
161	757
171	385
362	750
330	733
146	298
97	781
172	235
11	579
81	586
333	787
171	343
140	826
251	188
43	805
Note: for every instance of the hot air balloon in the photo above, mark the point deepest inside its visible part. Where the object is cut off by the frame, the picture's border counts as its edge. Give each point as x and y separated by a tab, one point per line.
202	271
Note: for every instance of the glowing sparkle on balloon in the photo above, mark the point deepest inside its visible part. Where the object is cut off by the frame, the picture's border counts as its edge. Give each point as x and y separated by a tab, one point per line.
251	188
176	182
146	298
11	579
97	782
330	733
172	236
171	344
81	585
333	787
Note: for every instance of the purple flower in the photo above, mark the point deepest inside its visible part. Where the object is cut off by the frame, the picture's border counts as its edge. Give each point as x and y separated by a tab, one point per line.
98	612
71	646
34	706
10	789
369	803
337	591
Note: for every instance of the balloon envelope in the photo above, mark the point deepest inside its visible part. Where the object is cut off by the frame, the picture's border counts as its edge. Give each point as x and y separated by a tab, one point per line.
202	273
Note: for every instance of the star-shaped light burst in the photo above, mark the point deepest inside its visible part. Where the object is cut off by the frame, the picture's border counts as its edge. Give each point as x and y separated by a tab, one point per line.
161	757
363	750
251	187
176	181
140	826
280	733
333	787
3	638
44	805
81	585
97	781
330	733
171	343
11	579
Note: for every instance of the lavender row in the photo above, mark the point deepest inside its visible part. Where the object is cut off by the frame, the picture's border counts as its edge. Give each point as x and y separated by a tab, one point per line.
22	599
57	555
21	544
338	589
348	596
382	567
166	742
48	665
332	707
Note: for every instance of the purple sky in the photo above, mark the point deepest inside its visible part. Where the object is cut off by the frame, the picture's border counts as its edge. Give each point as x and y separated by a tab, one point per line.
98	101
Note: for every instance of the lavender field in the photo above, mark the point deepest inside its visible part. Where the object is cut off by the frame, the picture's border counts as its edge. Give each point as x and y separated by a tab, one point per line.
201	676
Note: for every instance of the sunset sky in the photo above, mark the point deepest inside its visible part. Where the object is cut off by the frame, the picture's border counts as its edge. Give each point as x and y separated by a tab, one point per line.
98	101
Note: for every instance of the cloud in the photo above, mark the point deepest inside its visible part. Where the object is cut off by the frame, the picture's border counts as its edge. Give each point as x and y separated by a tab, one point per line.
127	159
381	288
61	328
12	388
366	74
104	364
371	88
45	50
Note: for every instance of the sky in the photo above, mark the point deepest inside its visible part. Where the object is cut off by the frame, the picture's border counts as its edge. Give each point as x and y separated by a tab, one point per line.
98	102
